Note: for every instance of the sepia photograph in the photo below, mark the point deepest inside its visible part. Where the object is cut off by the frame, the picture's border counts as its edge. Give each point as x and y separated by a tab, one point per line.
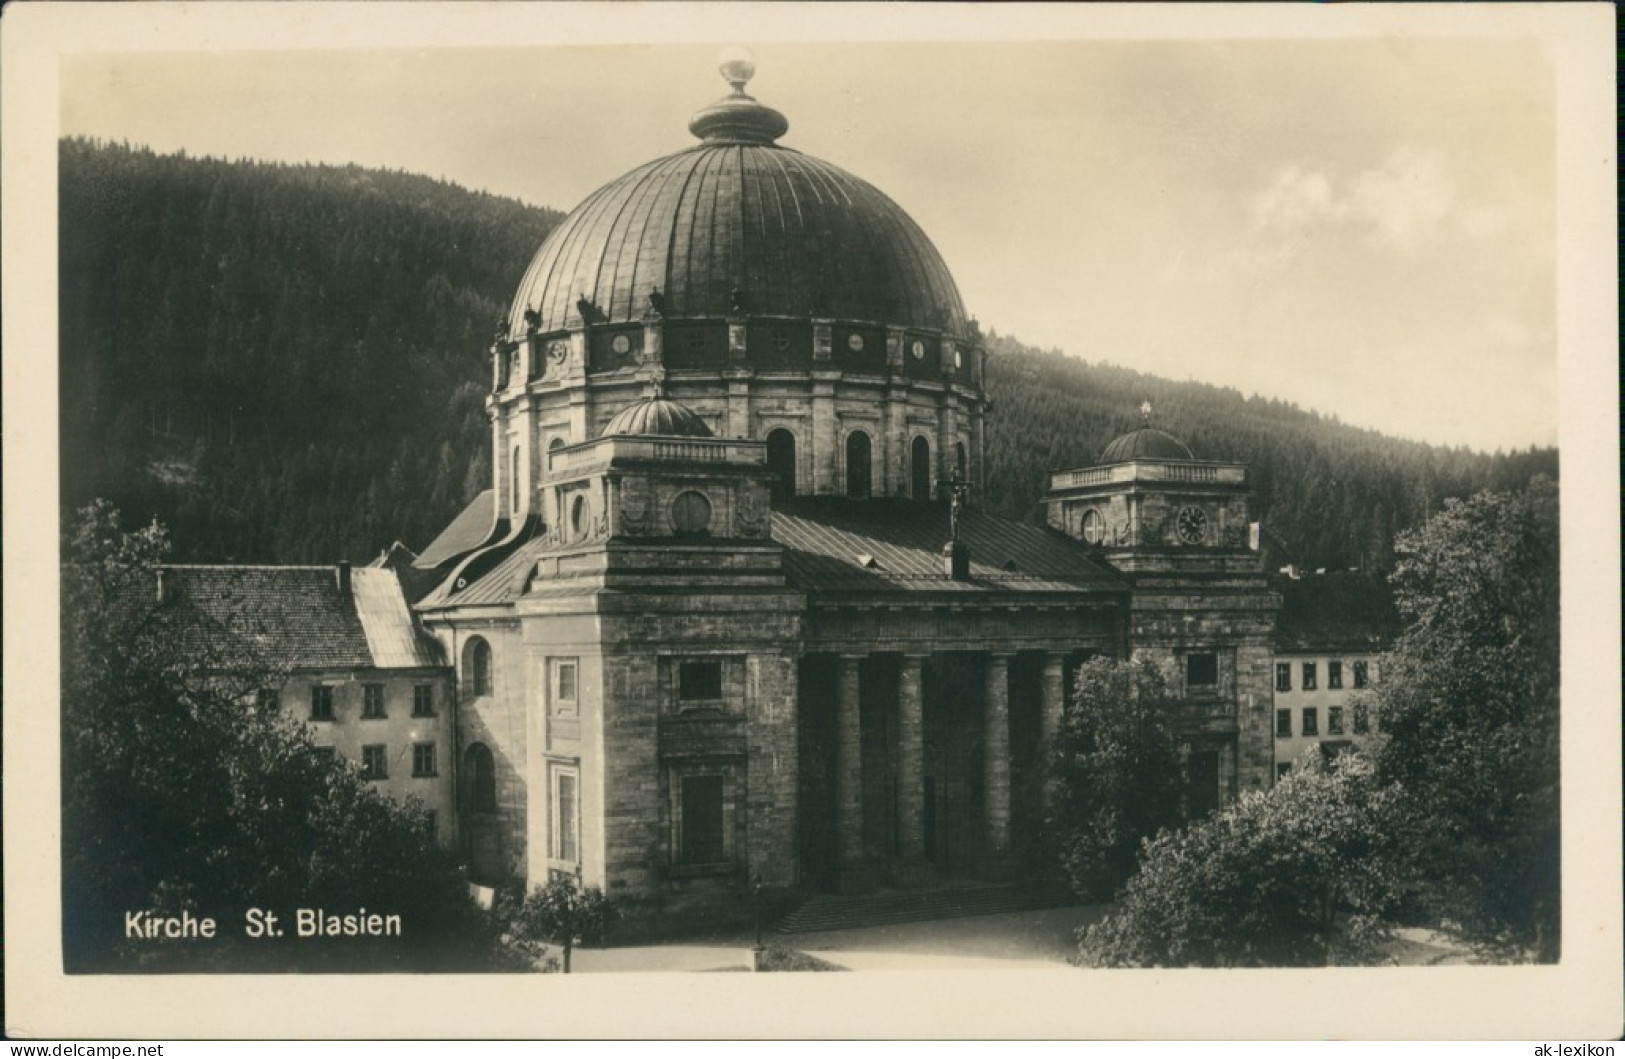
542	498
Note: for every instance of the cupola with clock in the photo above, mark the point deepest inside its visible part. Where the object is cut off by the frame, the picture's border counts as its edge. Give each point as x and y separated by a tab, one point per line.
1149	504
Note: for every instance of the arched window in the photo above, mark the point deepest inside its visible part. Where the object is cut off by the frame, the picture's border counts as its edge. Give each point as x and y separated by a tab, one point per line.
480	779
960	461
514	499
781	460
858	476
919	466
477	667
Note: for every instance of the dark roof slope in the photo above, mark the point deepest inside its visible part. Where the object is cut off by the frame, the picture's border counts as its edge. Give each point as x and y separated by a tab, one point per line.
1145	443
1337	611
886	547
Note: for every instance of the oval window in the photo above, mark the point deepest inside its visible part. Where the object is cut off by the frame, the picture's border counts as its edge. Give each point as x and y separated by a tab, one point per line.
918	349
1094	527
620	343
854	342
691	513
578	515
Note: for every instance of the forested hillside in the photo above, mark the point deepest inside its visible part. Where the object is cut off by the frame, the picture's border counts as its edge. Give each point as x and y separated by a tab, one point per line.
286	364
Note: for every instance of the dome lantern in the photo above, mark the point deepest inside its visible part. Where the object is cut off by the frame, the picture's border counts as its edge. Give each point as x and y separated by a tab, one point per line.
737	118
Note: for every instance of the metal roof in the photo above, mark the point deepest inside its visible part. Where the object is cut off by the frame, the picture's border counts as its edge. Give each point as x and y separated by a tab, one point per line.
465	533
888	547
503	583
393	639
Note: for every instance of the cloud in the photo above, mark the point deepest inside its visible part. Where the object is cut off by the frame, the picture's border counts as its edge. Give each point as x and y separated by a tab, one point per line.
1405	202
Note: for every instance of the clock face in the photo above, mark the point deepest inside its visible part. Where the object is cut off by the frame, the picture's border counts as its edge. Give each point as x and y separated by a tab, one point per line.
1192	525
1094	527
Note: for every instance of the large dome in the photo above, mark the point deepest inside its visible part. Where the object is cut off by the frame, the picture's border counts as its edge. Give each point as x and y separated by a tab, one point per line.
738	225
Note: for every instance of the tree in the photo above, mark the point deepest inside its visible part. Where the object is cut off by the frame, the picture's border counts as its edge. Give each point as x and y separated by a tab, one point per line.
183	793
563	912
1117	774
1300	876
1469	704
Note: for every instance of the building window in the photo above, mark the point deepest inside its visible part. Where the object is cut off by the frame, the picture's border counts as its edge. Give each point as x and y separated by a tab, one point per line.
1361	675
481	777
423	759
1282	770
423	700
372	701
516	489
699	681
321	703
1334	675
1362	719
268	700
1311	721
1334	720
477	667
961	464
566	816
374	763
1283	723
564	686
858	471
325	753
702	835
1309	680
431	824
1283	676
919	468
781	461
1201	670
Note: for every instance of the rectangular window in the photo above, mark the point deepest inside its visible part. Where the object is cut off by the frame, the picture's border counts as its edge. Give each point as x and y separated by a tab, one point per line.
702	837
1283	723
372	701
423	759
1361	675
1334	674
1334	720
321	703
565	686
374	763
699	681
268	699
1282	770
431	824
423	700
1311	721
566	817
1283	676
1309	681
1201	670
1362	719
326	753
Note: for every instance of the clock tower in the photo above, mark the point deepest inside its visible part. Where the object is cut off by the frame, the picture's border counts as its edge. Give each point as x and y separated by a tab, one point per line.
1178	528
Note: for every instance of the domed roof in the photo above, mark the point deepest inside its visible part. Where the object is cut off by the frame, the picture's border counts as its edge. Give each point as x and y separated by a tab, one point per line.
1145	443
735	224
659	417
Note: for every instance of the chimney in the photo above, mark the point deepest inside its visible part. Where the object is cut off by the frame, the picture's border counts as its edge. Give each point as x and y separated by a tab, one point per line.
956	561
343	573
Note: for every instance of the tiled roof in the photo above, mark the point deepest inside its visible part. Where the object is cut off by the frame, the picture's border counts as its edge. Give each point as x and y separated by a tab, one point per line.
877	546
1337	611
465	533
289	617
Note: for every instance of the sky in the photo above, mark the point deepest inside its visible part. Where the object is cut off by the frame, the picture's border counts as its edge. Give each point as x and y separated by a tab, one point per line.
1364	227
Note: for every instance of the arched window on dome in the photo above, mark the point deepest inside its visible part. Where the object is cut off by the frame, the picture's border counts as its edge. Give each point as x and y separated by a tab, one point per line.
859	473
919	468
479	779
781	460
961	468
477	667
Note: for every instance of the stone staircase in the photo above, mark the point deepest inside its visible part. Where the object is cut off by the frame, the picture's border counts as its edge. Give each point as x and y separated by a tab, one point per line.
834	912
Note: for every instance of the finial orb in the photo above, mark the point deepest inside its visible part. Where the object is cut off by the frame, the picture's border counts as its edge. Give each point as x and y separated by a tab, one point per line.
1145	411
738	67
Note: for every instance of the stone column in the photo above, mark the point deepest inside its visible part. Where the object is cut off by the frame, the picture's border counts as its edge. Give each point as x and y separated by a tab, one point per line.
996	757
1054	697
848	764
910	760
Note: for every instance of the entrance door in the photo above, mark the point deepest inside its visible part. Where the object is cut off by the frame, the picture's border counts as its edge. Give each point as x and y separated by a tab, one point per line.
1202	790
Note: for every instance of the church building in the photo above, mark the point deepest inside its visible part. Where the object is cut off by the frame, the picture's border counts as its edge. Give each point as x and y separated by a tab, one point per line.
731	610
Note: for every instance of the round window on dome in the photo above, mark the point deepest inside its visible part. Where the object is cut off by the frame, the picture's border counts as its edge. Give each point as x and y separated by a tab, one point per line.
691	514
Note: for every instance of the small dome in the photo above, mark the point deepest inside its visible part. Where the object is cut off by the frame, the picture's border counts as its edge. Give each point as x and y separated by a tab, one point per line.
1145	443
658	417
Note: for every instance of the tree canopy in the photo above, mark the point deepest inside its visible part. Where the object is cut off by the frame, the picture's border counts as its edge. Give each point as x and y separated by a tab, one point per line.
1469	705
185	792
1117	775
